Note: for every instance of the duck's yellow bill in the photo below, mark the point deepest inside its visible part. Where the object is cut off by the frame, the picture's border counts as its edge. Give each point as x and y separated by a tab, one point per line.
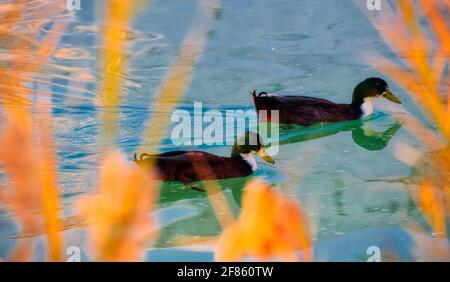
391	97
263	154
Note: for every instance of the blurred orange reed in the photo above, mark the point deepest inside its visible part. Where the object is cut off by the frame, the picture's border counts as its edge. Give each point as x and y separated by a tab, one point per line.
27	150
113	59
270	226
113	64
179	74
118	214
103	229
425	52
172	89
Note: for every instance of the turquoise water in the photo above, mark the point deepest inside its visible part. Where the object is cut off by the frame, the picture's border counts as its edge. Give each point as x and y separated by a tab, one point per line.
313	48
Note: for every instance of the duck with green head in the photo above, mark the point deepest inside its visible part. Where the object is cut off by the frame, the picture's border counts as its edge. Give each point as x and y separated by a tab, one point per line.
305	110
191	166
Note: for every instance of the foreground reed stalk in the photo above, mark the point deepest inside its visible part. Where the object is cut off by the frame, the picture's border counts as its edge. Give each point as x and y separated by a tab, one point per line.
426	53
27	146
270	227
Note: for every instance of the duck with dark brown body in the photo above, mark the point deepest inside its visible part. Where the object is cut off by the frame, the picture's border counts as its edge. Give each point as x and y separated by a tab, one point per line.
191	166
305	110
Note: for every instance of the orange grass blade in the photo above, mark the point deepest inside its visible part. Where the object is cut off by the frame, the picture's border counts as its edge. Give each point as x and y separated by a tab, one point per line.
113	64
423	134
34	162
172	89
46	158
179	74
437	21
431	100
269	226
119	213
433	206
16	154
407	38
422	81
48	178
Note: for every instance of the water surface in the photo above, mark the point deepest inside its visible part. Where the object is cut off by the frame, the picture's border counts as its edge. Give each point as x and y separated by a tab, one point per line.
313	48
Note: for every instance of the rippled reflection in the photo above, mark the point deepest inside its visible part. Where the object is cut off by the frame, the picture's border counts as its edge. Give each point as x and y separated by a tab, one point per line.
362	131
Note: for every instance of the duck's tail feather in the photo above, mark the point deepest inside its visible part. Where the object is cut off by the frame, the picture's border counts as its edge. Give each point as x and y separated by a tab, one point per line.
263	102
261	94
259	103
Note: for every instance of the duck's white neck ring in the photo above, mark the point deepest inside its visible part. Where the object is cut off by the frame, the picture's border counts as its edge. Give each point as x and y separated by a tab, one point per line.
250	160
367	107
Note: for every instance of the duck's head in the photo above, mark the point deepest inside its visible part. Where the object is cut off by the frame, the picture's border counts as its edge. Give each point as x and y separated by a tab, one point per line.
369	89
247	144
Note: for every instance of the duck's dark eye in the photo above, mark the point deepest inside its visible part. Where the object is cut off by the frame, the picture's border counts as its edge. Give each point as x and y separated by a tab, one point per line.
380	87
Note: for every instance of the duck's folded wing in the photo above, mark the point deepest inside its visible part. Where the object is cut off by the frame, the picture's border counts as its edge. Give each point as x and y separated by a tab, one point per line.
179	157
295	101
186	166
303	110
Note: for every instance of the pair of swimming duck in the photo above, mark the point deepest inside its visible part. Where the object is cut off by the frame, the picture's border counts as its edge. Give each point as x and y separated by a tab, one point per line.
191	166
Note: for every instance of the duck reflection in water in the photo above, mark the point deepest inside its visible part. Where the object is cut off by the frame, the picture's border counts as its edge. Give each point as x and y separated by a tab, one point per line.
363	133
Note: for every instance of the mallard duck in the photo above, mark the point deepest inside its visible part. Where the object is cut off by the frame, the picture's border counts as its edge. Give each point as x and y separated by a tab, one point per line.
191	166
309	110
